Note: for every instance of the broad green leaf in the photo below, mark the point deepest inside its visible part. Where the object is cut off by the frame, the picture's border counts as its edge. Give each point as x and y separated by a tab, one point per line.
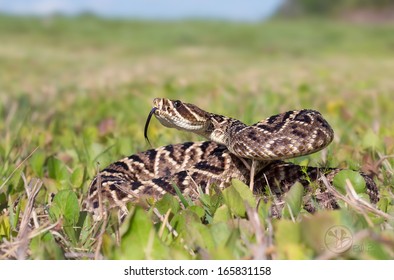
199	235
222	214
369	249
225	253
293	201
37	162
197	210
234	201
188	217
283	228
140	240
183	222
220	233
57	169
77	178
65	205
355	178
315	230
232	242
244	191
364	196
236	196
383	204
295	251
288	241
45	247
168	201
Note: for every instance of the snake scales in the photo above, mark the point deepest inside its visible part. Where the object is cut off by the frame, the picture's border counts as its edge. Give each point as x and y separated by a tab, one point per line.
233	150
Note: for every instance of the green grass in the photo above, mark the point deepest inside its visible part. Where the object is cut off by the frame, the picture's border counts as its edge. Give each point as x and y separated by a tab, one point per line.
75	92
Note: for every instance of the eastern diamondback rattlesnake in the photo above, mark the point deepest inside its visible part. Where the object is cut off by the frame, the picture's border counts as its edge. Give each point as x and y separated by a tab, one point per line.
252	154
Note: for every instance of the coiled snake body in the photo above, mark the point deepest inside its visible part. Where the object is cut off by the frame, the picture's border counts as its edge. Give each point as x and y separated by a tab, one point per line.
233	150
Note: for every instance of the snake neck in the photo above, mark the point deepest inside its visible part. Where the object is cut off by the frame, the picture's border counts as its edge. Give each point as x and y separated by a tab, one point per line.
222	129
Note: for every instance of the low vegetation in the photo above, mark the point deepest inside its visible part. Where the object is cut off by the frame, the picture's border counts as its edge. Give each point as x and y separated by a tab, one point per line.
75	93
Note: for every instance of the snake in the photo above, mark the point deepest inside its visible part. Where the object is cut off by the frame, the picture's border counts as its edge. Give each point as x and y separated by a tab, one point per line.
232	150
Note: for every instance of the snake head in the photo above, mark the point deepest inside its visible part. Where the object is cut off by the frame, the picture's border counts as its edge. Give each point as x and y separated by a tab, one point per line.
180	115
189	117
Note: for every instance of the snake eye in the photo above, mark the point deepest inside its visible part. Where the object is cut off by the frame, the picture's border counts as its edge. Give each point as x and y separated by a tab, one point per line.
177	103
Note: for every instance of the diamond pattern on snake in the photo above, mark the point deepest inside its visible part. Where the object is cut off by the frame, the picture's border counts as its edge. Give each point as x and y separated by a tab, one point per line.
253	154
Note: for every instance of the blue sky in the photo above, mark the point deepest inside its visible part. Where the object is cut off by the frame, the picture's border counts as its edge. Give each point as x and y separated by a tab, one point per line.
239	10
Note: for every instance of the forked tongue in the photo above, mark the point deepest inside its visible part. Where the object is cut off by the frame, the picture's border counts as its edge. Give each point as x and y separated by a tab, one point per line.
147	125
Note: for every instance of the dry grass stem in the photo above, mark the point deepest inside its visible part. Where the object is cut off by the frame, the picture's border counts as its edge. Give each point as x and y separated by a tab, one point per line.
259	249
355	201
32	190
172	230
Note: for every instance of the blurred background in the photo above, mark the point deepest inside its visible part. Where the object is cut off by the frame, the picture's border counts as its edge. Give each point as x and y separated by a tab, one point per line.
82	74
